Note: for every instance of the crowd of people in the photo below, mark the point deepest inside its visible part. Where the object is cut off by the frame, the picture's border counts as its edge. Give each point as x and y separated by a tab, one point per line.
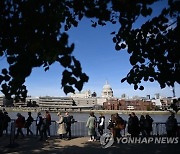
96	126
136	127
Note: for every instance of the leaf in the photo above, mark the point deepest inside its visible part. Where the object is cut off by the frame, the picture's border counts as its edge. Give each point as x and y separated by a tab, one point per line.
123	46
4	71
135	87
79	85
112	33
117	47
68	89
141	88
124	79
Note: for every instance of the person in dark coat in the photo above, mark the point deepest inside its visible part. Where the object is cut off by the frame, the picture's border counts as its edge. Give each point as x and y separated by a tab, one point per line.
44	128
133	125
68	121
148	125
29	121
171	126
48	119
39	122
7	119
1	122
142	125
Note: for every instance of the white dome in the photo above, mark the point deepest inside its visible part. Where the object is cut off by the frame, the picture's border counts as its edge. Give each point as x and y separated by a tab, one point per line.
107	87
107	90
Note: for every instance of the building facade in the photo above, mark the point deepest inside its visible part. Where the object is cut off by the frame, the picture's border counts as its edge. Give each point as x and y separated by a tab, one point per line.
127	104
55	102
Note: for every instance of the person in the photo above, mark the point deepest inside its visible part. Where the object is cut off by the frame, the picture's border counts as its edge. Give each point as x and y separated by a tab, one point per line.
68	121
48	118
101	124
91	122
133	125
120	124
142	125
7	119
19	123
44	127
148	125
62	126
39	121
1	122
95	132
28	123
171	126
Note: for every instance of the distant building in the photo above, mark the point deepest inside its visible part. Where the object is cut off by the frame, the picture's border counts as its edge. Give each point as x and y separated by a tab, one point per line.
107	91
84	94
85	101
127	104
101	100
55	102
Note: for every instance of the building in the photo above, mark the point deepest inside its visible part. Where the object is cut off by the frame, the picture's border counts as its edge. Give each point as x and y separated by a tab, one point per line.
55	102
112	104
85	101
128	104
84	94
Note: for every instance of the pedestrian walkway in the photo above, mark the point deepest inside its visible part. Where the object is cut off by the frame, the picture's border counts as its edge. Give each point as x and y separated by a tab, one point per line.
31	145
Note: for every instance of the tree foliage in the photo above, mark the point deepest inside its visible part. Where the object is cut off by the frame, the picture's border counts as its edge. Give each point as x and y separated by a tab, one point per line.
34	34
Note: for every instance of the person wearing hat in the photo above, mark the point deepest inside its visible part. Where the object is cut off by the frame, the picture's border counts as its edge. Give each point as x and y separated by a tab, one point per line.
62	127
39	121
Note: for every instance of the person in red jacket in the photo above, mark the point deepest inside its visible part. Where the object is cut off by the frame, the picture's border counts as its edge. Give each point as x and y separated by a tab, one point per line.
19	123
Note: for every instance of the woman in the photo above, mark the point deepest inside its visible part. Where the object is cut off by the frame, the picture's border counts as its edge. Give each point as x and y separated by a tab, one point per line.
91	126
62	127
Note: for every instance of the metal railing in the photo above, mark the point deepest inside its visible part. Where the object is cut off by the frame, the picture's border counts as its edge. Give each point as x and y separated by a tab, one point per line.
79	129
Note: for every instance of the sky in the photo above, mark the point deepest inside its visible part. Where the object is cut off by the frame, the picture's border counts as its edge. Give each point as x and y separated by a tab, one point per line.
95	50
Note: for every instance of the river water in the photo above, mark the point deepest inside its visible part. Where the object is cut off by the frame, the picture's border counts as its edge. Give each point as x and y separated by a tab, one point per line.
84	116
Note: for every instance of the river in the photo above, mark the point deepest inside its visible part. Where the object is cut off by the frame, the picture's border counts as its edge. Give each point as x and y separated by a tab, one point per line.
84	116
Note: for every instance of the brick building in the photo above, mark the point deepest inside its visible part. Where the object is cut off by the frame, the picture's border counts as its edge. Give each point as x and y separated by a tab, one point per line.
127	104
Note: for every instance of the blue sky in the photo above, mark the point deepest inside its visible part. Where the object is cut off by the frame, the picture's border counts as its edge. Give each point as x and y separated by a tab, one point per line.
100	61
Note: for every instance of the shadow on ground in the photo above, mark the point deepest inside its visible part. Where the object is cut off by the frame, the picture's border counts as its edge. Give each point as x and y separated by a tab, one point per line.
81	146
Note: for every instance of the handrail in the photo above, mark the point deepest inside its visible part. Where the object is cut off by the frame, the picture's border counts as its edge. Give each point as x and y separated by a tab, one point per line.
79	129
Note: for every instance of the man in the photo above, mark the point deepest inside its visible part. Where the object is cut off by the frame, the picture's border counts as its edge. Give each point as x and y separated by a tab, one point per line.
68	121
7	119
171	125
39	121
28	123
48	119
1	122
133	125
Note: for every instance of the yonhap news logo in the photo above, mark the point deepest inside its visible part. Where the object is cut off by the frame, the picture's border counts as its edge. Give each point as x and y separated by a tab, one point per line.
107	140
148	140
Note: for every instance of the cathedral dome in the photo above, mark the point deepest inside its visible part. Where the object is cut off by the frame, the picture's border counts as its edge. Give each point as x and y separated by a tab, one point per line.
107	90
